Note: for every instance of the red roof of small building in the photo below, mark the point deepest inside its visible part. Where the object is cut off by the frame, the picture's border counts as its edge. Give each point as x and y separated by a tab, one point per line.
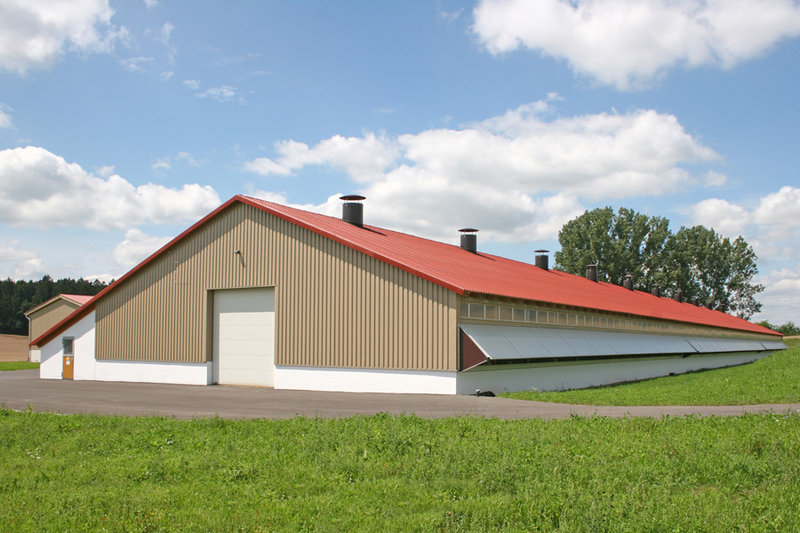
78	299
463	272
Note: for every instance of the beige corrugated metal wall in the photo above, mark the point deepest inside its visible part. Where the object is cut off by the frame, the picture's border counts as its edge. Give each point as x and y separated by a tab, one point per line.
48	316
334	306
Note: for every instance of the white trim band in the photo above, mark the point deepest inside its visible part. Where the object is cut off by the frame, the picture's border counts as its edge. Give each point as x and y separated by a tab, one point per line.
365	380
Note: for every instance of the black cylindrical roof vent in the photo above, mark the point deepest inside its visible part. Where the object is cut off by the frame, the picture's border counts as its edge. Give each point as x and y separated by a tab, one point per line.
591	272
353	209
469	239
541	259
678	295
655	290
627	282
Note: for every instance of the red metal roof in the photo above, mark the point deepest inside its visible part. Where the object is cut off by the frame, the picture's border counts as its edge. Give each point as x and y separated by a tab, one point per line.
463	272
79	299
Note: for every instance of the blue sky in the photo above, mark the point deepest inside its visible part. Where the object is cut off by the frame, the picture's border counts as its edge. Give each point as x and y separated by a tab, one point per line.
123	122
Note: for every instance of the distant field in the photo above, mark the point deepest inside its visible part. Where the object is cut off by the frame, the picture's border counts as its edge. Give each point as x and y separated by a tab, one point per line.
13	347
774	379
387	473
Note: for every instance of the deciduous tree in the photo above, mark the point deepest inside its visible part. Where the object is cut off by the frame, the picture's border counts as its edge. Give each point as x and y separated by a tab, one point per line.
703	265
622	243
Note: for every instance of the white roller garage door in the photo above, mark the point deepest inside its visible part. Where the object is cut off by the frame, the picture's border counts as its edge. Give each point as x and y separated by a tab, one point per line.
244	337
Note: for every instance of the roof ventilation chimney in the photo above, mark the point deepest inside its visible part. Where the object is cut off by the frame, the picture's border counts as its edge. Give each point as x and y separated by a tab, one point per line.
469	239
678	295
627	282
591	272
541	259
353	209
655	290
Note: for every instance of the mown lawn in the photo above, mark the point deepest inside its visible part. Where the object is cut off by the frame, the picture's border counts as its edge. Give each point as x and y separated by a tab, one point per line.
387	473
774	379
17	365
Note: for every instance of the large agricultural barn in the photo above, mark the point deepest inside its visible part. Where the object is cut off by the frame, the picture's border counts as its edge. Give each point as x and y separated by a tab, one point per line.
258	293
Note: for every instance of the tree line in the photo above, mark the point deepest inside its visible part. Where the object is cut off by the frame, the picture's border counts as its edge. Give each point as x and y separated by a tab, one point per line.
695	264
788	329
16	297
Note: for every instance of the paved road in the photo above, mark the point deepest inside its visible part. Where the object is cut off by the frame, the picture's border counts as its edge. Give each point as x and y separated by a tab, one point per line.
22	388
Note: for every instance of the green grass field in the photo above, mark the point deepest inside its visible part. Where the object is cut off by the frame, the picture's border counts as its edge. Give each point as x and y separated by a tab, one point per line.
17	365
774	379
386	473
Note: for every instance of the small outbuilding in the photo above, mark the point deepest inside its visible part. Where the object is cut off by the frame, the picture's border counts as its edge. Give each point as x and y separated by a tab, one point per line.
49	313
258	293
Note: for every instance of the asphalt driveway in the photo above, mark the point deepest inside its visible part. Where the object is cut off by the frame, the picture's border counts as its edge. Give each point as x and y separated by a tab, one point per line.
22	389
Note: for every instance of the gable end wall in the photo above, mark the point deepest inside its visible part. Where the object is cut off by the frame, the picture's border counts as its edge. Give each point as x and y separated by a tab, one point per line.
335	307
48	316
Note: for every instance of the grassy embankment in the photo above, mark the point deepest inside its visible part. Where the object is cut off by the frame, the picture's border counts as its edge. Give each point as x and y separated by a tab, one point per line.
774	379
386	473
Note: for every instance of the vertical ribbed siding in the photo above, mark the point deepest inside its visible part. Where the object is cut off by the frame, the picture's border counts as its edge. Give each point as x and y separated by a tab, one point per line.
334	306
48	316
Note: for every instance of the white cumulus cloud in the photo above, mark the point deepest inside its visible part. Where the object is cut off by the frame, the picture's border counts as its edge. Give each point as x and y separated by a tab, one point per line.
780	296
39	188
363	158
771	227
33	34
517	176
17	263
726	218
780	208
629	43
136	247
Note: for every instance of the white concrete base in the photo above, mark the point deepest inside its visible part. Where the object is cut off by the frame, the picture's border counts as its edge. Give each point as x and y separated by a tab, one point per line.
86	367
365	380
34	355
153	372
543	376
578	375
